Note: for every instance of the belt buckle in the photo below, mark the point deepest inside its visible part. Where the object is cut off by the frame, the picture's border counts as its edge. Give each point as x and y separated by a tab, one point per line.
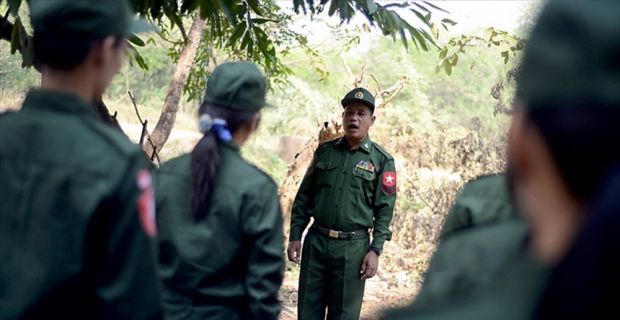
334	233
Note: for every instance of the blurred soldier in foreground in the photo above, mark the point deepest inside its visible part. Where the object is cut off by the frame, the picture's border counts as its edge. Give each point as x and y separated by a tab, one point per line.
76	203
483	233
564	163
220	222
349	188
481	252
565	154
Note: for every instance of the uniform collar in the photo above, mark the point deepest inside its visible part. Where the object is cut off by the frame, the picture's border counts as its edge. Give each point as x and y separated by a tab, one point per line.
365	145
230	145
58	101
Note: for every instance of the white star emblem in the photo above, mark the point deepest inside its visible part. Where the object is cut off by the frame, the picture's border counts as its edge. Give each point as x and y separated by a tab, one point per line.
389	178
366	145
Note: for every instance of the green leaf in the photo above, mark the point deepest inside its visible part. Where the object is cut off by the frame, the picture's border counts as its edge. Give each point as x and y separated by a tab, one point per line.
506	56
14	6
254	5
435	31
263	21
454	59
420	38
443	53
227	12
245	41
136	40
448	21
332	8
237	33
372	7
434	6
447	67
422	18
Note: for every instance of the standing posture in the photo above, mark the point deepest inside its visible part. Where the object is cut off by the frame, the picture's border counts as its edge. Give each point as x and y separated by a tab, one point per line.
220	240
76	203
349	188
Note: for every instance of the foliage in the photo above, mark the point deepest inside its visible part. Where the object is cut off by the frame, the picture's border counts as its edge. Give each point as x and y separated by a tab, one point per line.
508	45
249	29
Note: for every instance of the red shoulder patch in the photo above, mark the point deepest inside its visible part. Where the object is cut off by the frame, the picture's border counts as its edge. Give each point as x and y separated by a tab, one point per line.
389	182
146	202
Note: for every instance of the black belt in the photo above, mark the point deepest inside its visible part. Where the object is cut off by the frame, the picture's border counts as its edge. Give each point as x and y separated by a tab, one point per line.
357	234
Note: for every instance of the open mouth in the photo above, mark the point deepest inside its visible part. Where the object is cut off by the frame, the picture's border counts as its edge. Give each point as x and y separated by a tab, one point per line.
352	126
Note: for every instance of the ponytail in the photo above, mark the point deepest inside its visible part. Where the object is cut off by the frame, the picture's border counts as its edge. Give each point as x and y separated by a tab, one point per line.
217	124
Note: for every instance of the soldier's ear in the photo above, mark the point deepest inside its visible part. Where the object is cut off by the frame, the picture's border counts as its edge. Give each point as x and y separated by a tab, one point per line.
372	119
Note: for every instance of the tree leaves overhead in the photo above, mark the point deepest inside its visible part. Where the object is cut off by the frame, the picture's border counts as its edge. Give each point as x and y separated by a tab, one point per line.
385	17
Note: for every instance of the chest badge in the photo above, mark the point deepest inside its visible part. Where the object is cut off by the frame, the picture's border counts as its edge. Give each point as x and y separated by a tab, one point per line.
366	166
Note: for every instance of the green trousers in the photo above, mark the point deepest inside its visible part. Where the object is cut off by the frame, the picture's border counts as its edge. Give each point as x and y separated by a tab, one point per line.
330	280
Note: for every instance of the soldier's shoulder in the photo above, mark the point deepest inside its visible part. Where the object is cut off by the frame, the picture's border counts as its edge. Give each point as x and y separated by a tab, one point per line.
328	143
114	141
177	166
484	184
382	151
262	177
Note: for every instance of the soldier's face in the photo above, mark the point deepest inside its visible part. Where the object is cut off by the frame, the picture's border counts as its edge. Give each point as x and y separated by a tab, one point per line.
356	120
112	55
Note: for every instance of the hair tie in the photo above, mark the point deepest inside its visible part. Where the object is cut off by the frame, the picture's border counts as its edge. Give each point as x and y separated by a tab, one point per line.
205	123
218	126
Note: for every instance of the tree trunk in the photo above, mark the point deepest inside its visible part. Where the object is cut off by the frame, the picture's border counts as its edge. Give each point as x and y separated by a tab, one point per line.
171	105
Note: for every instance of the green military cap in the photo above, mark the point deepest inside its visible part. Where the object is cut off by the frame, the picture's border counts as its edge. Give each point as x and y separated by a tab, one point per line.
359	95
573	55
87	18
237	85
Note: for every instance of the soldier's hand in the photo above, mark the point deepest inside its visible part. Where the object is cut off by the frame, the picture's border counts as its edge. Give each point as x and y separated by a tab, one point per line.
370	265
294	251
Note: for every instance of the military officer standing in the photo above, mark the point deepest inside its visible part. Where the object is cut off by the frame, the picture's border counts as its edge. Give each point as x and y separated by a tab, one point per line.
349	189
76	202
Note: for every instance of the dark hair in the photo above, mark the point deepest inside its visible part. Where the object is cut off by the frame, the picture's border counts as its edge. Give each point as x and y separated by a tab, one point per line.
206	157
63	52
583	141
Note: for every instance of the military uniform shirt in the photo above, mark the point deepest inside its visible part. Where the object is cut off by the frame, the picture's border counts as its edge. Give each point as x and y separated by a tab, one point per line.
347	189
71	241
230	264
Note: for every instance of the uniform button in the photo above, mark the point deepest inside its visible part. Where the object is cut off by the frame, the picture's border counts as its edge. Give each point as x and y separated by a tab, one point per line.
340	188
337	206
343	172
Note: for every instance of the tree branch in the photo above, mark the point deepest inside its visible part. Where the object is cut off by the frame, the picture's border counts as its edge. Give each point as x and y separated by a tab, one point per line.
6	28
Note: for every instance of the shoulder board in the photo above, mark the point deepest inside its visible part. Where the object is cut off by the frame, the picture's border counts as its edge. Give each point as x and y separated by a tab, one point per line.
328	142
115	137
383	152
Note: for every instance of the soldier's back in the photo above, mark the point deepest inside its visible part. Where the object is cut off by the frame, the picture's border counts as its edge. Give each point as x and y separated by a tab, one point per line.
63	188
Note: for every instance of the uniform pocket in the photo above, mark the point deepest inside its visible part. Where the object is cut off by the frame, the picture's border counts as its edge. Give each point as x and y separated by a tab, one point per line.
326	173
364	182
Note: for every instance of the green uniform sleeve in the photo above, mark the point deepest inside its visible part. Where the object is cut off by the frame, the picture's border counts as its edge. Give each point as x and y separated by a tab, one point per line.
300	213
262	220
122	254
385	198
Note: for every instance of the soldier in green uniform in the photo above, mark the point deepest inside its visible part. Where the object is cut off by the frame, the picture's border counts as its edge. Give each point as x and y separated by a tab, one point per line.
564	165
349	188
481	249
219	217
76	202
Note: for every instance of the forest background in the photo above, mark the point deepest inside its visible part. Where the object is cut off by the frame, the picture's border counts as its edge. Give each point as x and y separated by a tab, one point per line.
444	127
